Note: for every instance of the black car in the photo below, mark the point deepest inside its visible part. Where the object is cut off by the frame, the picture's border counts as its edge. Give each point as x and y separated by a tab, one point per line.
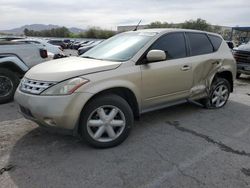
58	43
84	49
78	45
230	44
67	42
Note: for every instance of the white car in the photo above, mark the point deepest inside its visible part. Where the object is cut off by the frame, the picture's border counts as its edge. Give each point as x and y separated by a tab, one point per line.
16	58
52	49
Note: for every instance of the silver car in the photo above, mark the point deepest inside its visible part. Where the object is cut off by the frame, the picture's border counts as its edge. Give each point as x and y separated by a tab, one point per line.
98	95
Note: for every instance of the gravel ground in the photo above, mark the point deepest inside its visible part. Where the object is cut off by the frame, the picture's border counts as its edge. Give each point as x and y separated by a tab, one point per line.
181	146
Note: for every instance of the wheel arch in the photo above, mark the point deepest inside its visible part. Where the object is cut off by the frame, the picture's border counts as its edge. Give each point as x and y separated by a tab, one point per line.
226	75
123	92
12	66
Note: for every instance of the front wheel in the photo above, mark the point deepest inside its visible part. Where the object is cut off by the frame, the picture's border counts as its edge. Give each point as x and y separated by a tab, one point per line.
8	84
106	121
219	94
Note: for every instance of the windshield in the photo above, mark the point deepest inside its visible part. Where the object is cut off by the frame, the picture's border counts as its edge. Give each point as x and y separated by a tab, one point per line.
121	47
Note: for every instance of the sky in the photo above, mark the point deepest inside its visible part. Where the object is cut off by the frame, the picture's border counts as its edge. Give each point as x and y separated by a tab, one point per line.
108	14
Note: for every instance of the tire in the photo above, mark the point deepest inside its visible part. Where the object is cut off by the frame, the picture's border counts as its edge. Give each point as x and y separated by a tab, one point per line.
8	84
238	75
96	116
218	87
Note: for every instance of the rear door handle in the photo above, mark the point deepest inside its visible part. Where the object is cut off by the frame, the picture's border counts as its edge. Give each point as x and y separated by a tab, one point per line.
185	68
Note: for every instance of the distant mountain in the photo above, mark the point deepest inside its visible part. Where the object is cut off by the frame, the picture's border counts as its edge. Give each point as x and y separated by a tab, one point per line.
38	27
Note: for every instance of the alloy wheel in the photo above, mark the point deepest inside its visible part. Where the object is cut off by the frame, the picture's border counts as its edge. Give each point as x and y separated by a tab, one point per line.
106	123
220	96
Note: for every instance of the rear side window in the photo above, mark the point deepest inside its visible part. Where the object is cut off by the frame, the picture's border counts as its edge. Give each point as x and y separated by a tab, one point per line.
216	41
173	44
199	44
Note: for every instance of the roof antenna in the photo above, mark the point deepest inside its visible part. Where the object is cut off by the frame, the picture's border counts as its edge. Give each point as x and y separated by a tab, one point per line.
135	29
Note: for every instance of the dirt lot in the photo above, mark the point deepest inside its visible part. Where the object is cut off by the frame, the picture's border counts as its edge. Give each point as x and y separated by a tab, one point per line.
181	146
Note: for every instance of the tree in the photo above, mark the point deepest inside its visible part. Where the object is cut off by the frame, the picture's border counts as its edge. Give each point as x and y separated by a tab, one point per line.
55	32
26	32
97	33
94	32
198	24
158	24
217	29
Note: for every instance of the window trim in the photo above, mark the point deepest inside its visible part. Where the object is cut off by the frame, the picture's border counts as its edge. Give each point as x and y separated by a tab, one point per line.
212	43
142	59
189	46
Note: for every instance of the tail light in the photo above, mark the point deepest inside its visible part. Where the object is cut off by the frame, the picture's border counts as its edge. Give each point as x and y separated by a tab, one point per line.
43	53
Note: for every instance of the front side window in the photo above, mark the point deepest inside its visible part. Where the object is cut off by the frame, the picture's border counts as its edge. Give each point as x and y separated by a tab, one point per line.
199	44
121	47
173	44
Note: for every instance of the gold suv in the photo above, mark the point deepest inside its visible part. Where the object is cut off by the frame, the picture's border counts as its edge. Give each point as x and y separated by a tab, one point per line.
99	94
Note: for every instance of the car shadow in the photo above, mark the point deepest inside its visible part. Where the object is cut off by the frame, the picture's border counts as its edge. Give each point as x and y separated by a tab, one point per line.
44	159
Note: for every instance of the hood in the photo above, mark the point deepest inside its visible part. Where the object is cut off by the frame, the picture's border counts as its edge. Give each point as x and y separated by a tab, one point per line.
65	68
243	47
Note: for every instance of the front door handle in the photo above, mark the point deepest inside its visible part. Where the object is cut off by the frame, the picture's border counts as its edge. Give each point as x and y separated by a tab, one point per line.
185	68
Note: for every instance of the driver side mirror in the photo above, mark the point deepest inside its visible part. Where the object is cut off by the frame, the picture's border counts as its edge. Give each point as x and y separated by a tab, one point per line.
156	55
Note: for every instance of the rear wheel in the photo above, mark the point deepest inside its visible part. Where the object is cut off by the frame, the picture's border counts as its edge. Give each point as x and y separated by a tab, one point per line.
8	84
106	121
219	94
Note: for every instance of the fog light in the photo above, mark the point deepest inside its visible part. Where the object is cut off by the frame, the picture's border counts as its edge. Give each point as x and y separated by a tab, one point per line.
50	121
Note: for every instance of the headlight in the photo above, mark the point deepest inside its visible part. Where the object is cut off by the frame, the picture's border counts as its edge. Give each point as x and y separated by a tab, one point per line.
65	88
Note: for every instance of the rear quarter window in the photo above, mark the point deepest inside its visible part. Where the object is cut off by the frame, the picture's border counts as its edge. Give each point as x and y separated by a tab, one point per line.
199	44
216	41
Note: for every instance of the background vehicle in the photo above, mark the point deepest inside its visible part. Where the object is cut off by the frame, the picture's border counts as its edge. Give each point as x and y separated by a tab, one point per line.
53	49
58	43
72	44
99	94
15	59
78	45
67	42
231	44
242	57
84	49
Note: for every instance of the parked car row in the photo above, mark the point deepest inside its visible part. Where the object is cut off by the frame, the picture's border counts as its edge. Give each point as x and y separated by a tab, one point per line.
88	46
81	46
78	44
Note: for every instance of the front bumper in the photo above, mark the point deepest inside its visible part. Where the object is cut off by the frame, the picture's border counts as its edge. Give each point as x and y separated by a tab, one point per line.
243	68
56	112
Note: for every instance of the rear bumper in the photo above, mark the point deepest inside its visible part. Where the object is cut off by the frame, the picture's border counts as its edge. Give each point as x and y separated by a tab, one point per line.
59	113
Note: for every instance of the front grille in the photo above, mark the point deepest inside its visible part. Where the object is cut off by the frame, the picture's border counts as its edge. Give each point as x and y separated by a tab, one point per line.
242	56
34	86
